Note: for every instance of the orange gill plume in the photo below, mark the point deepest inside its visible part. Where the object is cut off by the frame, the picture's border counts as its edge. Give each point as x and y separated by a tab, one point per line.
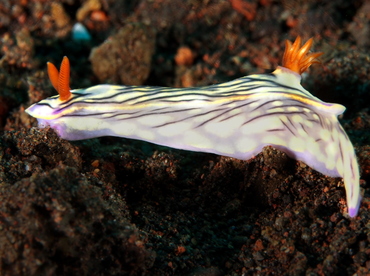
296	58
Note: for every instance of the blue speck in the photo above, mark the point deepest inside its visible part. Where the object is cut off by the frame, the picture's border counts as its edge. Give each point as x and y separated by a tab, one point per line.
79	32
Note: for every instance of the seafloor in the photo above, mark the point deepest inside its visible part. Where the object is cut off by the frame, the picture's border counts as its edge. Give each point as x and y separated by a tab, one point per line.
113	206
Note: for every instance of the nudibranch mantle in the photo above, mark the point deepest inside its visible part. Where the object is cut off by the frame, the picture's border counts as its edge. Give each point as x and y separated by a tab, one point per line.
236	118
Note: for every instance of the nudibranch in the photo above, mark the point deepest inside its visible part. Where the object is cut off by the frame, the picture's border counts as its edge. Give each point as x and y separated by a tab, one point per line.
236	118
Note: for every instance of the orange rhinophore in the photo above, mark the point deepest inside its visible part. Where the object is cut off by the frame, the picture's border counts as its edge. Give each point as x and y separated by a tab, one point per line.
60	80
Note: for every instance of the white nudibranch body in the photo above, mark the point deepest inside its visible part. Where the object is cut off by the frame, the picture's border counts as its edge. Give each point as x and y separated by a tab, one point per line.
235	119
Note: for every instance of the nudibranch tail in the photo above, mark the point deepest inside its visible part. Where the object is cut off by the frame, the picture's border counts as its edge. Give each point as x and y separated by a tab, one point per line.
60	80
296	58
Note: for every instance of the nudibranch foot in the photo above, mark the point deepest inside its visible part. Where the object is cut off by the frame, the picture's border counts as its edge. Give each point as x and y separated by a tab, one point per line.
235	119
